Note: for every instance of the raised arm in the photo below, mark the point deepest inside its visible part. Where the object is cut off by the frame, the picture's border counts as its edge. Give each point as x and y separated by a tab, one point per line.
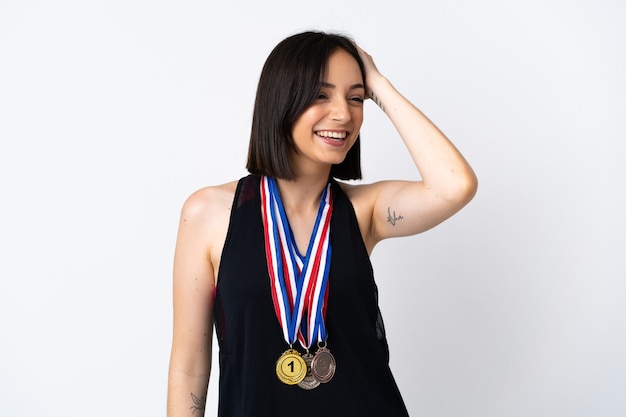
193	286
401	208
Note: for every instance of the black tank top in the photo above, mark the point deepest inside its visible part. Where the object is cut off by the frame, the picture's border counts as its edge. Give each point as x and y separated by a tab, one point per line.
250	338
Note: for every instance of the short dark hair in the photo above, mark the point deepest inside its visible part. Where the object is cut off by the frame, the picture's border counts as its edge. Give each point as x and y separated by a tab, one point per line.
288	85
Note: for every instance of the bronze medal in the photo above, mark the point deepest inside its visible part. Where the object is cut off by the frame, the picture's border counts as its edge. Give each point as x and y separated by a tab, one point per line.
309	382
290	367
323	365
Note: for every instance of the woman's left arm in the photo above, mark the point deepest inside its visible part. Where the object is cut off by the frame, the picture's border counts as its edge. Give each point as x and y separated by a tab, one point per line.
402	208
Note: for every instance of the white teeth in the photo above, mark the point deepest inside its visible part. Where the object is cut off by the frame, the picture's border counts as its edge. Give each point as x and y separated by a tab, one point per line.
334	135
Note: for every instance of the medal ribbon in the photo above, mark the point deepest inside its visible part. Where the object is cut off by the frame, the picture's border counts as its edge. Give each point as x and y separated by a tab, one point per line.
298	284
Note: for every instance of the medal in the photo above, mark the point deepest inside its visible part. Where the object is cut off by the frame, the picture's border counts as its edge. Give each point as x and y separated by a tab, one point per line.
323	365
290	367
298	284
309	382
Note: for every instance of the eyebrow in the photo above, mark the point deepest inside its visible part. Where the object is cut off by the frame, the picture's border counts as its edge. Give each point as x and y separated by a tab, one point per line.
352	87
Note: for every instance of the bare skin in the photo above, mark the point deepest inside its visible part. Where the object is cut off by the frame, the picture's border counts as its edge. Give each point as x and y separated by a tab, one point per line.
384	209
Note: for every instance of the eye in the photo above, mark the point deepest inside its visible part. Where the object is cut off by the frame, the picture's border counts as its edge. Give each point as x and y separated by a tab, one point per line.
357	100
322	96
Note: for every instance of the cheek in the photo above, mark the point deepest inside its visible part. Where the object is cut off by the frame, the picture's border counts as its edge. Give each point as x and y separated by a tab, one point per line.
357	112
357	119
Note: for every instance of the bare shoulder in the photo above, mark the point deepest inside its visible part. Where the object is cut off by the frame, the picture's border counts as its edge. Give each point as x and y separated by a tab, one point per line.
204	219
363	196
359	191
208	202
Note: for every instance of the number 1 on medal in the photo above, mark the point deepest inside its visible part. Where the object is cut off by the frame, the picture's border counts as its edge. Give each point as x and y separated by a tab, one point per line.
291	368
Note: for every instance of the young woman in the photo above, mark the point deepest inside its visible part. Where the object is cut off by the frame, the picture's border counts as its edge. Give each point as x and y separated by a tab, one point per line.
279	261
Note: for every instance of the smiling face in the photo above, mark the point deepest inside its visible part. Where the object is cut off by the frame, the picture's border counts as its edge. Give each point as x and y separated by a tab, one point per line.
324	133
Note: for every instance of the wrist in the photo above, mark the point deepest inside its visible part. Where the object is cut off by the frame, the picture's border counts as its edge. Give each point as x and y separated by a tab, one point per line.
376	87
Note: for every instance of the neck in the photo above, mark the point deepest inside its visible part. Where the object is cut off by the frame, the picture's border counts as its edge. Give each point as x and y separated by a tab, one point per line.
302	194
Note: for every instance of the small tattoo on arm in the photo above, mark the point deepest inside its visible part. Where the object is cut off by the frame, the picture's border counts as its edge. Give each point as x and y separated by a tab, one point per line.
198	404
377	100
392	218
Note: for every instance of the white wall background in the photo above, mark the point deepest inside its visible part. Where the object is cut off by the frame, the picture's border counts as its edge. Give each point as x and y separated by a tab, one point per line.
113	112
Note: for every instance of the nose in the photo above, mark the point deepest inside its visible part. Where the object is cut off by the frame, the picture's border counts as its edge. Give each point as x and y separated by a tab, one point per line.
340	111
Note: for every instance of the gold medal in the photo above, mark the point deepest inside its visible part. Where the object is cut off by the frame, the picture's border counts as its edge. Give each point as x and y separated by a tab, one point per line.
290	367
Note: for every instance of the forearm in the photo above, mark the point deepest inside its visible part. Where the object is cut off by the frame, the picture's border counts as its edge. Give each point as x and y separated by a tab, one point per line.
441	166
186	394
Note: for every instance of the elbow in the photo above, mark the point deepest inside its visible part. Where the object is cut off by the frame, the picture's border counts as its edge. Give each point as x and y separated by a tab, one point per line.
468	188
471	186
464	189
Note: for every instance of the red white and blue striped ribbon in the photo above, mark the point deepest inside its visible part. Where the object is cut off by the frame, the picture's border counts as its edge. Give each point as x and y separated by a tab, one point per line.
299	284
